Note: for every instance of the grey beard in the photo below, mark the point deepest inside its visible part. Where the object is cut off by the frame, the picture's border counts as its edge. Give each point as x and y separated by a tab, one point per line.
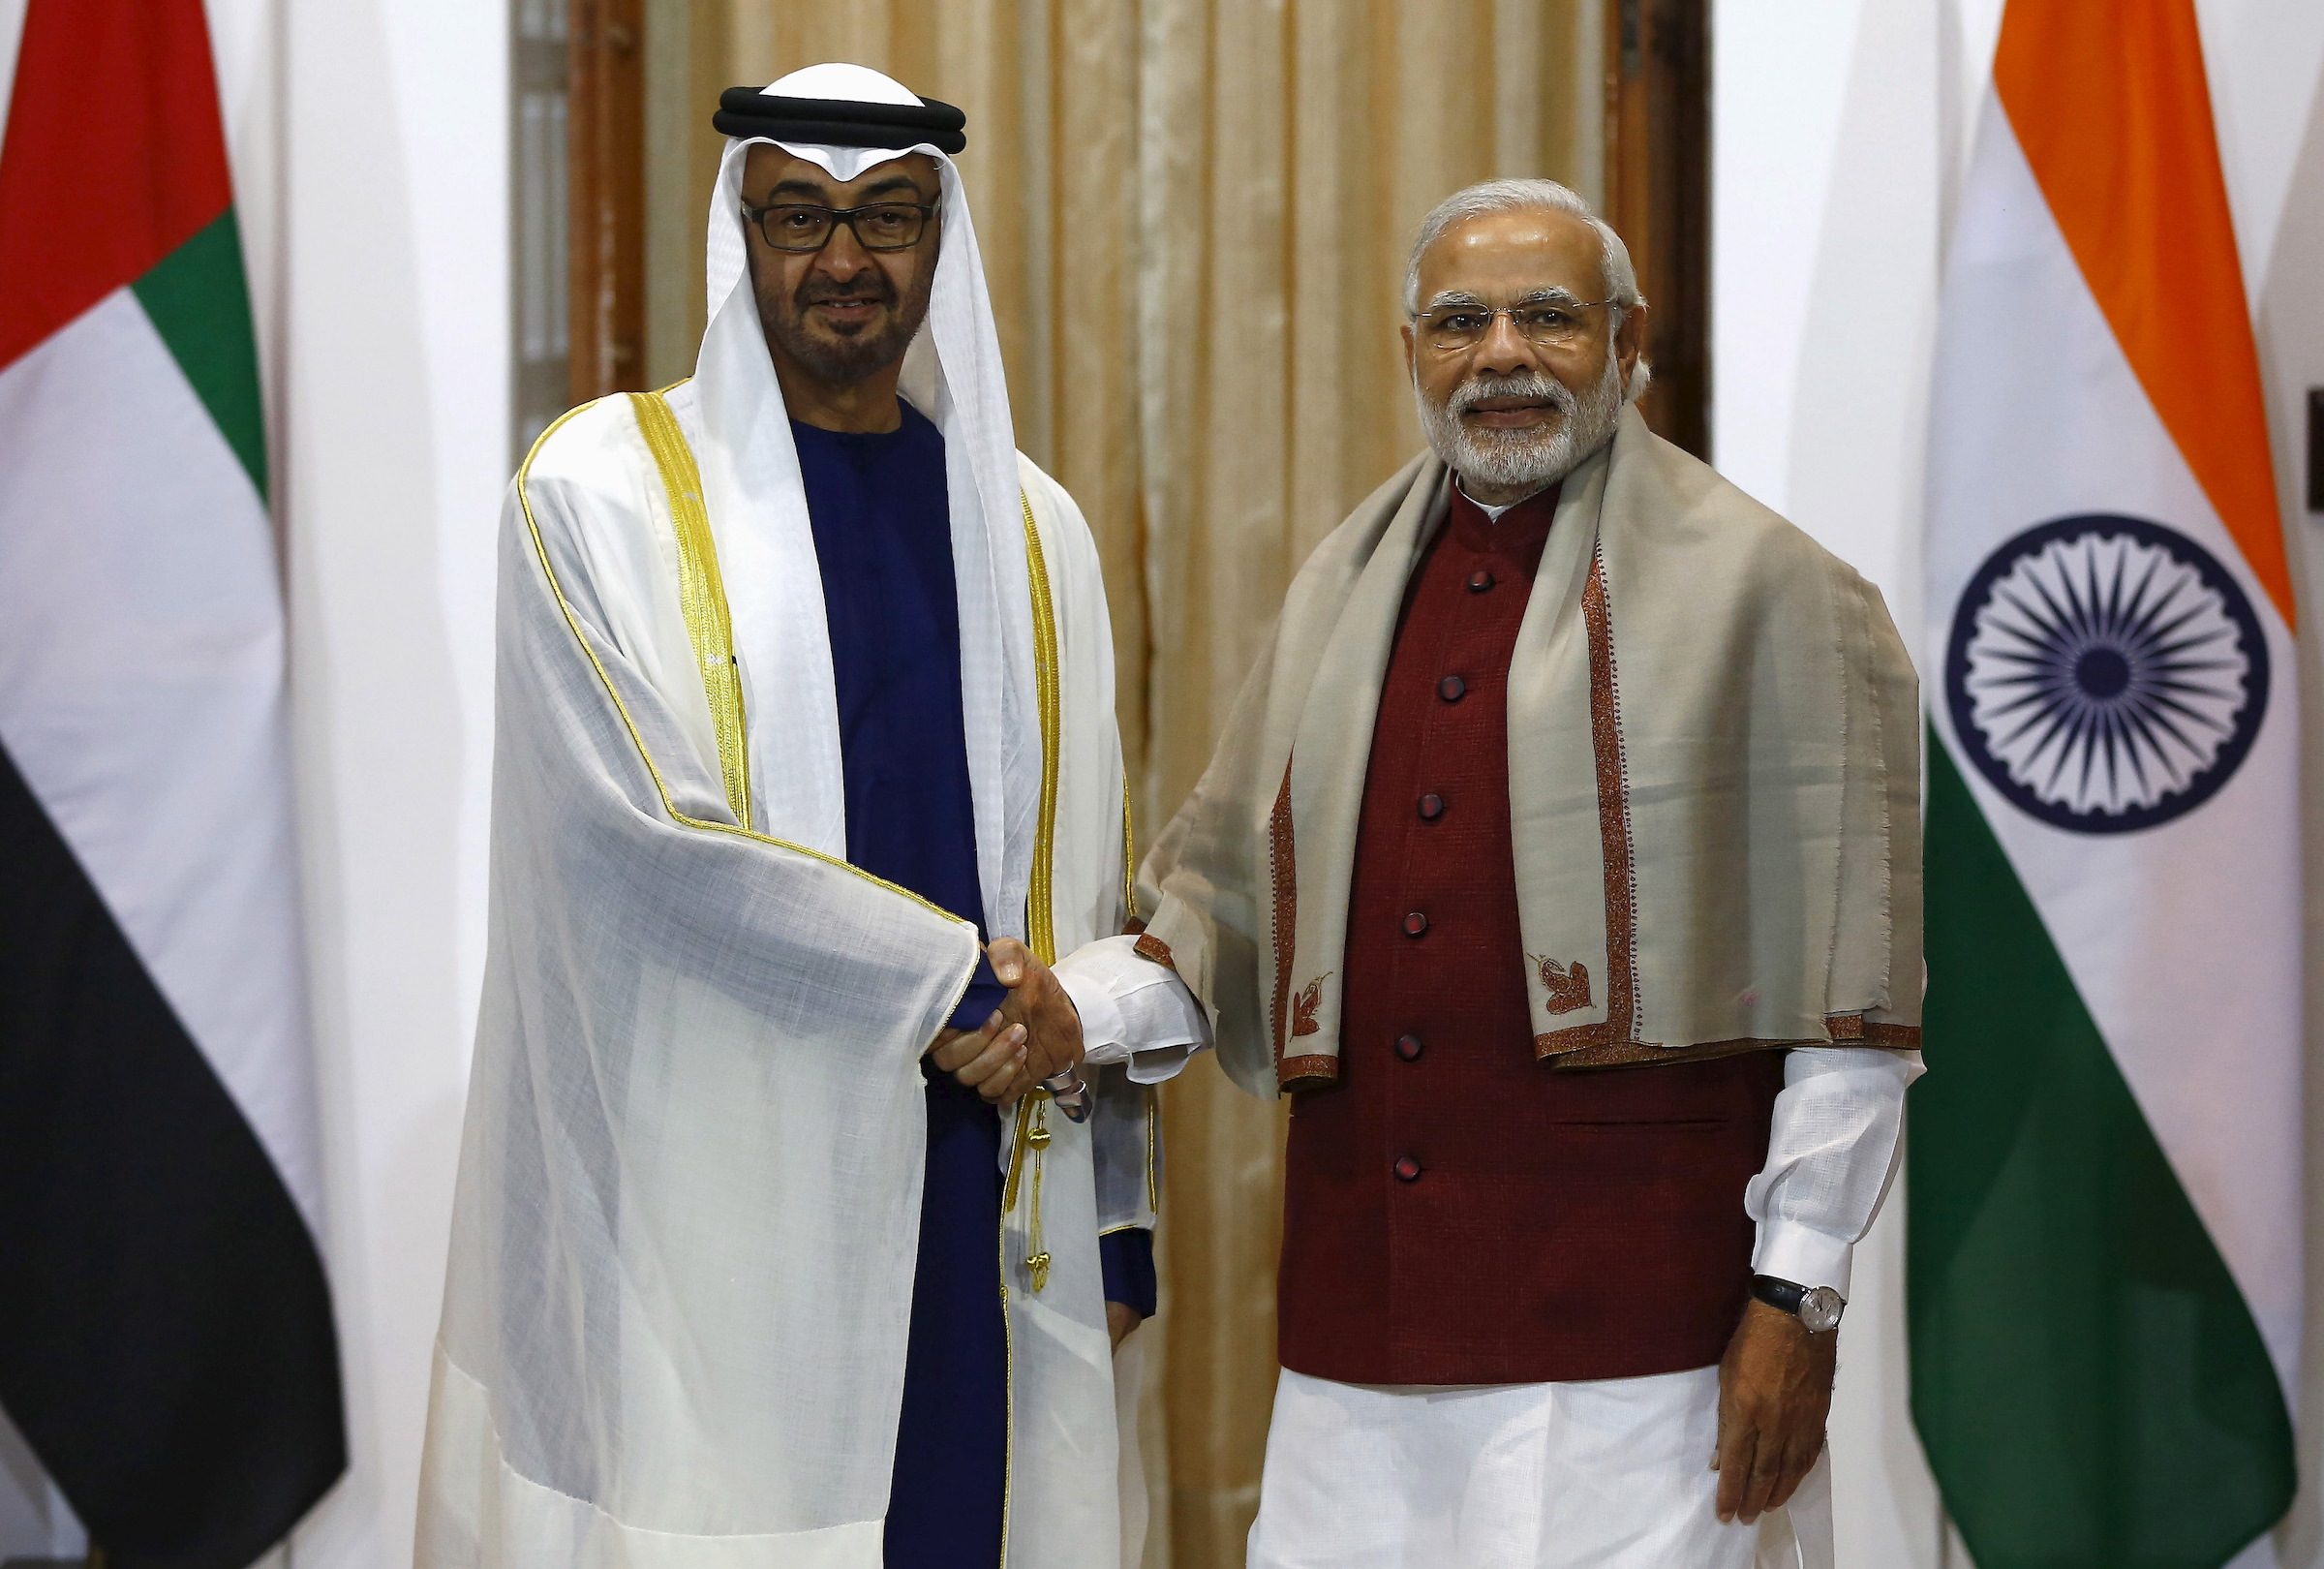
841	361
1522	459
838	361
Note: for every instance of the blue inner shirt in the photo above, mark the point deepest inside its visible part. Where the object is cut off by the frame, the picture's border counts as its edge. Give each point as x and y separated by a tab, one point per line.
883	544
877	505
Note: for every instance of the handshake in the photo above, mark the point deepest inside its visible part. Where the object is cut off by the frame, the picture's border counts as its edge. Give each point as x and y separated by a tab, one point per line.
1033	1038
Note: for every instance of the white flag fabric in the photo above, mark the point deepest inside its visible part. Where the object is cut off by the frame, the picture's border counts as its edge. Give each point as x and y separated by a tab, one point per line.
166	1334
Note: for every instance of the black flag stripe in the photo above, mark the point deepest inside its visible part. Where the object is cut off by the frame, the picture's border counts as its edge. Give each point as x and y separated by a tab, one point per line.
166	1334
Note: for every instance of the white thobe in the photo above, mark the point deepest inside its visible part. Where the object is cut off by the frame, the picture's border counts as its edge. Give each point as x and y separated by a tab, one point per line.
1529	1476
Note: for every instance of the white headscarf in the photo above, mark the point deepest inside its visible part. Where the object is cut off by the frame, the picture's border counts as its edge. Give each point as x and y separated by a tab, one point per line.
758	517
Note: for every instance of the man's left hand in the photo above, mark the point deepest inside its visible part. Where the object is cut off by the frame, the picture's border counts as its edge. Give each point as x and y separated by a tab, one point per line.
1052	1026
989	1061
1775	1395
1120	1319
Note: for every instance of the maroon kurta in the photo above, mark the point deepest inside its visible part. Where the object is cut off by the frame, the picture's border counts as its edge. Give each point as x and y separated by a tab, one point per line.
1456	1211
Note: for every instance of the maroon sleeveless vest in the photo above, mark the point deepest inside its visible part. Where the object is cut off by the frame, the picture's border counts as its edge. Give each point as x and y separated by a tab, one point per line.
1454	1210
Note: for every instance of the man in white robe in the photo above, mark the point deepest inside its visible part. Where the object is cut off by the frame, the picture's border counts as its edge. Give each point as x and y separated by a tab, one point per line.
1561	860
686	1314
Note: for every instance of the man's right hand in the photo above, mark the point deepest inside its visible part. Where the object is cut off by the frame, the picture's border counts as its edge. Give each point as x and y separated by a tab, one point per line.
989	1061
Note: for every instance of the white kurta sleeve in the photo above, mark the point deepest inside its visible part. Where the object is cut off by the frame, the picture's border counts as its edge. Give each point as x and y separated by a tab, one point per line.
1133	1010
1831	1151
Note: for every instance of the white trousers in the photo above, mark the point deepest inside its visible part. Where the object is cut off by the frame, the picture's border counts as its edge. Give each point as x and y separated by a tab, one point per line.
1608	1475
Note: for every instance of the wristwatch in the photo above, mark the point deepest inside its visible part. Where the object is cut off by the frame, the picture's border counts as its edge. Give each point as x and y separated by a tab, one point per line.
1817	1307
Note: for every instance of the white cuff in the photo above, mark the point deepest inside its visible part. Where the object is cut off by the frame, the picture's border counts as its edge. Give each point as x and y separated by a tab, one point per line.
1802	1255
1160	1064
1104	1041
1133	1010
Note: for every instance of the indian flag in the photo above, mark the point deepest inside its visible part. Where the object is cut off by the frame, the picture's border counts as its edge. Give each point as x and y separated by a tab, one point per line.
165	1338
2105	1167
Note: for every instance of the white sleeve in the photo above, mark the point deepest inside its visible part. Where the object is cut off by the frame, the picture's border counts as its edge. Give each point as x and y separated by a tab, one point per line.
1133	1010
1831	1151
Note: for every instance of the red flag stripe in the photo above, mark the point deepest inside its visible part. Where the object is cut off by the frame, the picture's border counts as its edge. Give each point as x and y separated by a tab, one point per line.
114	156
2113	111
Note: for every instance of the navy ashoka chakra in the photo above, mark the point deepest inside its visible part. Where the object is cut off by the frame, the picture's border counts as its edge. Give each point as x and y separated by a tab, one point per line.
2105	673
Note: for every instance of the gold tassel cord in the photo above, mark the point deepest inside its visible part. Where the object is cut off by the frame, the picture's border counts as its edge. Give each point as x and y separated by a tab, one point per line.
1032	1130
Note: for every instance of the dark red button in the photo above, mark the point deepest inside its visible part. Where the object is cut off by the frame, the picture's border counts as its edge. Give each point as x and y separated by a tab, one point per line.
1432	806
1415	924
1451	689
1407	1169
1480	580
1408	1047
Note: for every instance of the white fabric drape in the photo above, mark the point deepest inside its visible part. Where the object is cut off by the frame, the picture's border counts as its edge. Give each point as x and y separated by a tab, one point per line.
676	1311
683	1239
682	1256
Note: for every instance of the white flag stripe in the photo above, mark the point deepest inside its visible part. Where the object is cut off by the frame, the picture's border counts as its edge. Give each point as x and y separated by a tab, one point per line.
2184	938
142	695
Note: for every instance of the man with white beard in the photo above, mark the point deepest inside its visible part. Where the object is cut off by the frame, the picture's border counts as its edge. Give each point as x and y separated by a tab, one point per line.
1561	860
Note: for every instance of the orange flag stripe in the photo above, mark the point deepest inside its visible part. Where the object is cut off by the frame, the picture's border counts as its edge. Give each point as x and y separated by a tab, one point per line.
2110	103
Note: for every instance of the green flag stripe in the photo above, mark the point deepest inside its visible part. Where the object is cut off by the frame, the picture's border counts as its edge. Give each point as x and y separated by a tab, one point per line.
199	303
2087	1379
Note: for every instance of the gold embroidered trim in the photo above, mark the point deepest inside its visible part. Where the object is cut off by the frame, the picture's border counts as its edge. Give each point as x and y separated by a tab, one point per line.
661	786
1032	1111
1008	1354
1153	1151
1129	856
1855	1027
701	594
1305	1072
1040	927
1018	1130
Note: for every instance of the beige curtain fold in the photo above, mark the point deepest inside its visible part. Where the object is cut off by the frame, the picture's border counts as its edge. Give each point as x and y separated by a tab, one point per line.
1194	215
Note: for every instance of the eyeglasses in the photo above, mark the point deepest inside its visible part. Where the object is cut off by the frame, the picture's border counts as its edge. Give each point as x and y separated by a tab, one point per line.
1448	330
801	227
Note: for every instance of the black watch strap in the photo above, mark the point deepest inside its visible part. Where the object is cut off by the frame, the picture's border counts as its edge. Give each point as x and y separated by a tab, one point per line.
1817	1307
1783	1294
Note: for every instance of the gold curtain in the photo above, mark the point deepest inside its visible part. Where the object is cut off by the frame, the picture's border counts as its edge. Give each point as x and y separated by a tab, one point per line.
1194	216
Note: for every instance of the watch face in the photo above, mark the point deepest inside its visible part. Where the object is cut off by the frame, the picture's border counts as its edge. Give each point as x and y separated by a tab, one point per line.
1819	1310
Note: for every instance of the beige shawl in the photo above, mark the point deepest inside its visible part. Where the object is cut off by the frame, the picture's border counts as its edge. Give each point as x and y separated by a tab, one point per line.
1714	768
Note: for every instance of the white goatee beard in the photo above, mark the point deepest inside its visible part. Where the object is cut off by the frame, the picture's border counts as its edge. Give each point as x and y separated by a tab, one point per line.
1521	459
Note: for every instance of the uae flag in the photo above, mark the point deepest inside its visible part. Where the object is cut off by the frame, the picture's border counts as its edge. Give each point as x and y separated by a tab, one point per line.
165	1338
2105	1164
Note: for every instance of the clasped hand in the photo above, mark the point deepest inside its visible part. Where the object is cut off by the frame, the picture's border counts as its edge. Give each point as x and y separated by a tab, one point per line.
1034	1034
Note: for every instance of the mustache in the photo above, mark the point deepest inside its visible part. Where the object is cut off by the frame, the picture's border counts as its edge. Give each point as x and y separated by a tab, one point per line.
1540	389
871	289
